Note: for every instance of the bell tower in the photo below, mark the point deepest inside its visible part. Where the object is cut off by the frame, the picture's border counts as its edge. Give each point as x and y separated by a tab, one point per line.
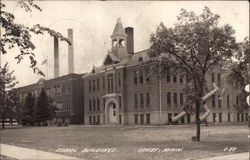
119	40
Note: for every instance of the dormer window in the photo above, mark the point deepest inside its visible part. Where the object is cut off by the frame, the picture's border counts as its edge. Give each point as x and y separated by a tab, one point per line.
140	59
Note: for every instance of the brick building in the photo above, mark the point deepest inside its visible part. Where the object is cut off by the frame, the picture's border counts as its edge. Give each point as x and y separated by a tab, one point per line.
66	91
120	92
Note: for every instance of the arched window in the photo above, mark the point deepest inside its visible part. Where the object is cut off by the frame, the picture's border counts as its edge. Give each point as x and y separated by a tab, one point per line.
140	59
121	42
181	98
175	98
174	79
169	98
114	43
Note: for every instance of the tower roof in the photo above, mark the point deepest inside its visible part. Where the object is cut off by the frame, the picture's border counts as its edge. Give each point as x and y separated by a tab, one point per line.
118	31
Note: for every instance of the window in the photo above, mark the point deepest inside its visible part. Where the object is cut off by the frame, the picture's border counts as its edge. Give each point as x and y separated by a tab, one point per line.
246	115
237	100
214	117
136	100
103	82
212	77
219	79
219	103
114	111
98	104
148	118
175	79
228	117
136	118
220	117
120	101
135	77
93	104
169	99
120	119
140	59
94	121
238	117
181	98
119	79
56	89
141	77
188	118
98	84
148	99
242	117
90	105
98	119
90	120
110	83
168	78
89	85
181	79
213	101
93	85
175	98
142	118
169	117
142	100
228	101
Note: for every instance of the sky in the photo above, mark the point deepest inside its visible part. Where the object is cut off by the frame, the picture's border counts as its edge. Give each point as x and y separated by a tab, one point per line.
93	23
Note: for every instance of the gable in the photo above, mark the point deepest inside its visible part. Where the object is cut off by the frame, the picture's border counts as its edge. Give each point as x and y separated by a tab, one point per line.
108	61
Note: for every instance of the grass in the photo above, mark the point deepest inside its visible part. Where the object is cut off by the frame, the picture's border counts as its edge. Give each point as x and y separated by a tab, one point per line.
129	139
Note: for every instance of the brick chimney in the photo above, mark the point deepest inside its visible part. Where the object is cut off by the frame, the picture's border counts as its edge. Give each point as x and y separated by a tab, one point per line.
70	52
56	57
130	39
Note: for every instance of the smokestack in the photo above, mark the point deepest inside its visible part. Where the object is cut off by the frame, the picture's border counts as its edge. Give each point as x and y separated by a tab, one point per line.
56	57
130	39
70	52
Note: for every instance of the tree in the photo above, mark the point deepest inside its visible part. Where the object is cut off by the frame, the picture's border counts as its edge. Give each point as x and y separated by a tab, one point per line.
19	36
43	112
28	110
238	74
194	45
7	100
12	106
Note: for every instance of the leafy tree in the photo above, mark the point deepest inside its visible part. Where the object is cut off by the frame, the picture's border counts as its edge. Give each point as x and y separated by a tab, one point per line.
28	110
195	45
12	106
238	74
19	36
43	112
7	100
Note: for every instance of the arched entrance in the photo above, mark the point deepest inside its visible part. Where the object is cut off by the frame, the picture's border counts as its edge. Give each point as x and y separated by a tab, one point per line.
111	111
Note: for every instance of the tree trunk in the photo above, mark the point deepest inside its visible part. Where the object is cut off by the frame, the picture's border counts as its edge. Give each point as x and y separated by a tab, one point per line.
197	116
3	118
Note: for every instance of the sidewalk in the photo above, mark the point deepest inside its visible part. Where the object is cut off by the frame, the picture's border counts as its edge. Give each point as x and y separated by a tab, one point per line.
237	156
30	154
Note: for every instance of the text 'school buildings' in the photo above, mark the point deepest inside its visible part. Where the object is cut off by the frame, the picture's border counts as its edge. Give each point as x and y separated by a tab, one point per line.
120	92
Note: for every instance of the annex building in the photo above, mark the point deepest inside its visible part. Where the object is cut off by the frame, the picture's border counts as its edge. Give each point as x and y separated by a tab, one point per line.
121	92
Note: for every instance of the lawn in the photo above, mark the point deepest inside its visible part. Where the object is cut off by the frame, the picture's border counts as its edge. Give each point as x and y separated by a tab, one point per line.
130	141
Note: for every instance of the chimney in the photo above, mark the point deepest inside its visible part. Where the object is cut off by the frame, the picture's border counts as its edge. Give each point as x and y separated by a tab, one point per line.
56	57
70	52
130	39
